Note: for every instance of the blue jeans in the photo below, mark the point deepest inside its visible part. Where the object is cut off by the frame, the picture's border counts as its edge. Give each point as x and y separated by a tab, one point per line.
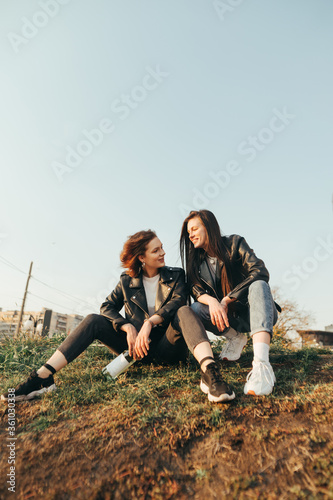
260	317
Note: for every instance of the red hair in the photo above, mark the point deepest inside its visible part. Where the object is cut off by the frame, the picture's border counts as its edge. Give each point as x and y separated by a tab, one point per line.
135	246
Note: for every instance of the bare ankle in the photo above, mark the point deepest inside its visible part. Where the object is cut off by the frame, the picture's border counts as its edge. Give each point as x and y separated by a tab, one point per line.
43	372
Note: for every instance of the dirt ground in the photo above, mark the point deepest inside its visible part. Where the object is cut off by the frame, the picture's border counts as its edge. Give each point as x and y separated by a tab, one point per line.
273	451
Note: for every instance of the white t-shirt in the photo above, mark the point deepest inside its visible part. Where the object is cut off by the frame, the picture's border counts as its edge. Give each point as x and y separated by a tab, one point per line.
150	286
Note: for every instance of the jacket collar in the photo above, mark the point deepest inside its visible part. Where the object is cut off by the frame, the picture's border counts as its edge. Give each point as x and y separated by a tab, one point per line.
206	275
166	275
165	286
164	289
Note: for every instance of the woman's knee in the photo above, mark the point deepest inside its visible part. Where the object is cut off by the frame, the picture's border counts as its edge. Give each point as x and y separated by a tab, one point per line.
183	311
260	290
201	310
92	318
197	308
89	323
259	285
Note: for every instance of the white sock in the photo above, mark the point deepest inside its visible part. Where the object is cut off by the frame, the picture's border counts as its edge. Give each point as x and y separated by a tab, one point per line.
261	352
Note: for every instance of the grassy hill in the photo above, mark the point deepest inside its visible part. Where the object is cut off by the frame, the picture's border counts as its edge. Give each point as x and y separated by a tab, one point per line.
154	435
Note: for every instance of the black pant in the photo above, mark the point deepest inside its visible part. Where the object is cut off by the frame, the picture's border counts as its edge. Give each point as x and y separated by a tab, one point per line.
185	330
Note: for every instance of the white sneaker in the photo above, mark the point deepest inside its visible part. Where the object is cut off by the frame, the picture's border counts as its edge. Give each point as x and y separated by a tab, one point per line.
232	348
260	380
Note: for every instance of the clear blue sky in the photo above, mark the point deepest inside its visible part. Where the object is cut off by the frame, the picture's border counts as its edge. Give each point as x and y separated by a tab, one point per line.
227	108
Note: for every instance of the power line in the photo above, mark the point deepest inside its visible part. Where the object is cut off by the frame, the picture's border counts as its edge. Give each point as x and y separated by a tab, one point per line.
11	265
61	292
50	301
64	294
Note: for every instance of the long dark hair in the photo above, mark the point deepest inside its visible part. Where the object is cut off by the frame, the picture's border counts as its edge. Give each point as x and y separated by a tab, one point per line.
135	246
193	257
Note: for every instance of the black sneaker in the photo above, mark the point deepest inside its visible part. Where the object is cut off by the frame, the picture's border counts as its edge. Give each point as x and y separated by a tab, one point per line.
33	387
213	385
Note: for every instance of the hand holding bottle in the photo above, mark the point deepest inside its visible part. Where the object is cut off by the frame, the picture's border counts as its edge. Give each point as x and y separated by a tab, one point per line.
142	341
131	337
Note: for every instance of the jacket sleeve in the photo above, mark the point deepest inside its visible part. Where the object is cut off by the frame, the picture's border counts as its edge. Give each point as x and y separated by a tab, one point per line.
252	268
197	290
177	300
112	305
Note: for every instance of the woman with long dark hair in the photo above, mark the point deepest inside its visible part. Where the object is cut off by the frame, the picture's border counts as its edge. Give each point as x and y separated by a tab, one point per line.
230	288
157	323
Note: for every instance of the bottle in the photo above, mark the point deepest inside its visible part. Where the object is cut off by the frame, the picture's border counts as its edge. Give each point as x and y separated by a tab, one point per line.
118	365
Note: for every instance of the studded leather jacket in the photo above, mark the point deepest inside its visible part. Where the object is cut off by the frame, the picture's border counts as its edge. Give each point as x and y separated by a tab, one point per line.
130	292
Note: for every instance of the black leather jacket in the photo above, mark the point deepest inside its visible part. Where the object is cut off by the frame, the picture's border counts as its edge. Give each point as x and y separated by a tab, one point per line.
130	292
245	267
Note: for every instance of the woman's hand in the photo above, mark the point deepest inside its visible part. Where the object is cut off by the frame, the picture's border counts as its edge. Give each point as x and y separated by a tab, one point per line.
131	336
142	341
219	314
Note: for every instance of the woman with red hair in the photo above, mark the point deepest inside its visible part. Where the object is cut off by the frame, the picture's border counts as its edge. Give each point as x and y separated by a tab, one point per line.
158	325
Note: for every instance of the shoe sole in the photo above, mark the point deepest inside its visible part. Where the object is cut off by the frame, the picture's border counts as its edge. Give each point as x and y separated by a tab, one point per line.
252	393
233	359
33	394
216	399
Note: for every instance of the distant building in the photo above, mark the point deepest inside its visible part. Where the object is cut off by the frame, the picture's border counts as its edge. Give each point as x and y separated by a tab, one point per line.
12	317
329	328
64	323
317	337
6	328
73	320
52	321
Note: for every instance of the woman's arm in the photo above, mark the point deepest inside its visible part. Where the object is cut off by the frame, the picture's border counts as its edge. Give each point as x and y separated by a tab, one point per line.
252	268
196	290
218	311
111	307
177	299
165	313
142	341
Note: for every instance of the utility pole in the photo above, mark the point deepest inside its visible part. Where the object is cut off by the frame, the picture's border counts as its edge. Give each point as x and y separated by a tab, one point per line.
23	303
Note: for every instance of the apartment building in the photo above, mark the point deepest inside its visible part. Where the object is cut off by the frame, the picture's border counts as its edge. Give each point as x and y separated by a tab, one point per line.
46	322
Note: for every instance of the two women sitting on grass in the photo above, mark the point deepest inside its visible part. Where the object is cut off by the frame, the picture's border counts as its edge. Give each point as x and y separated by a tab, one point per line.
158	325
229	285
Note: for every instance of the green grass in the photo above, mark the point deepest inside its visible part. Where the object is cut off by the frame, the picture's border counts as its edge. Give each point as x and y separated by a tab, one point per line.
163	411
153	395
